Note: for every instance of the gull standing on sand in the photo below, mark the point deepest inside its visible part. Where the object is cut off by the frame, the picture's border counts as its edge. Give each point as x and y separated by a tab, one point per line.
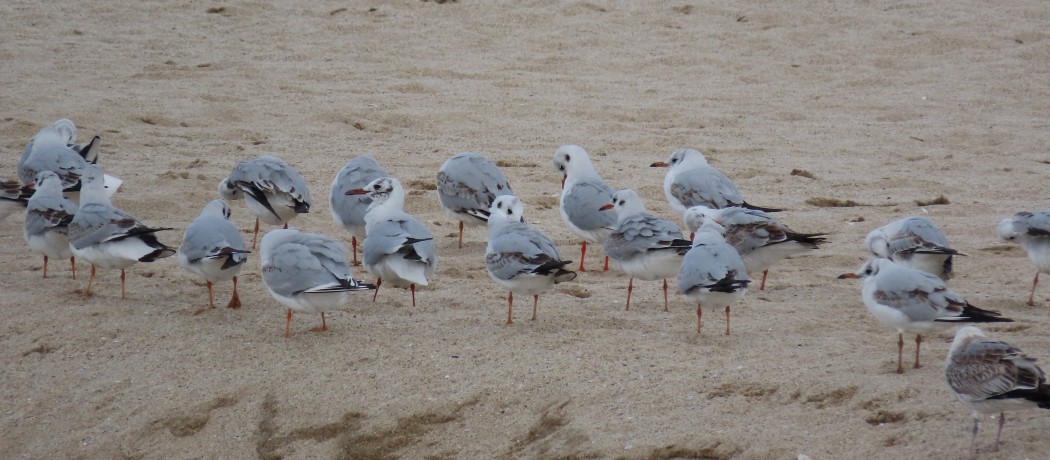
107	237
712	272
273	190
349	211
307	273
54	149
214	250
466	185
914	242
993	376
399	248
1032	231
642	245
914	301
582	196
690	181
759	238
520	258
48	215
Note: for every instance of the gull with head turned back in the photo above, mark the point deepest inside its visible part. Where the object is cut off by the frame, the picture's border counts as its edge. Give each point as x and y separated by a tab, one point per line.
914	242
466	185
48	215
273	190
583	194
642	245
214	250
399	249
349	211
54	149
1032	231
712	272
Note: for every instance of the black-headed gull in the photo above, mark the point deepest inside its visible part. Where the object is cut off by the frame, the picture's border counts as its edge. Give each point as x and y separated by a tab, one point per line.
993	376
915	242
107	237
48	215
691	181
519	258
583	194
914	301
307	273
642	245
54	149
274	191
349	210
214	249
466	185
1032	231
712	272
760	239
399	249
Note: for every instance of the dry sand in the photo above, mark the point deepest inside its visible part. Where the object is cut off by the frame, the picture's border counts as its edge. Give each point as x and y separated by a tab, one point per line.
883	102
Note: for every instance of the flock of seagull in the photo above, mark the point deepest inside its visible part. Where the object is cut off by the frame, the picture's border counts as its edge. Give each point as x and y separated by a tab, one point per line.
69	215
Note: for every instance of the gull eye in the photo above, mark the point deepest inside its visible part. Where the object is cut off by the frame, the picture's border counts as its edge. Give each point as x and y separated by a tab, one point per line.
376	187
622	202
509	211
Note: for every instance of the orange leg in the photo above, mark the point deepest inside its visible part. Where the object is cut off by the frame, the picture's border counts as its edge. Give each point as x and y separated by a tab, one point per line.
535	301
699	313
353	242
73	265
762	287
691	236
211	296
900	352
461	234
413	289
583	254
379	282
255	237
122	297
606	264
324	325
510	307
1031	297
665	294
45	266
630	287
727	319
288	325
87	292
918	341
235	301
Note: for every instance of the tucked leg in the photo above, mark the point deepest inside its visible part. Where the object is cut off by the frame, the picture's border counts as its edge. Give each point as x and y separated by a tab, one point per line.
235	301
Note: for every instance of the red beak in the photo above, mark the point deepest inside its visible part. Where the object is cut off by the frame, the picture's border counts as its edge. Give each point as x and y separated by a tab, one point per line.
606	207
658	164
357	191
563	180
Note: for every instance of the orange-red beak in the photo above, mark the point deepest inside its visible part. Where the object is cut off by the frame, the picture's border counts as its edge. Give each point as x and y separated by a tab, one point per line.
658	164
606	207
563	177
357	191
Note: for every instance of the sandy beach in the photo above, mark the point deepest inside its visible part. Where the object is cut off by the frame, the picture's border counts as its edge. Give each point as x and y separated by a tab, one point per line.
884	104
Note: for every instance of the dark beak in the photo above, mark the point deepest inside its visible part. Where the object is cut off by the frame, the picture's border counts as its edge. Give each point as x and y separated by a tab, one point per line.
658	164
849	276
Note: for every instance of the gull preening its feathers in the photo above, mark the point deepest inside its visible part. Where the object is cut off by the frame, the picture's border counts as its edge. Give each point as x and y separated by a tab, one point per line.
466	186
273	190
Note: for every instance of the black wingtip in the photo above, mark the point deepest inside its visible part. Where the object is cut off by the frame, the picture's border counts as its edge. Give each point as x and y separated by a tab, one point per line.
759	208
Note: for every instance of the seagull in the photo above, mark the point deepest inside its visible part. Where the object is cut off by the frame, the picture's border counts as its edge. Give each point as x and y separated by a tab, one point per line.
349	211
273	191
913	301
583	194
213	249
759	238
54	149
107	237
466	185
914	242
690	181
399	248
306	272
993	376
48	215
643	245
1032	231
14	197
712	272
519	258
